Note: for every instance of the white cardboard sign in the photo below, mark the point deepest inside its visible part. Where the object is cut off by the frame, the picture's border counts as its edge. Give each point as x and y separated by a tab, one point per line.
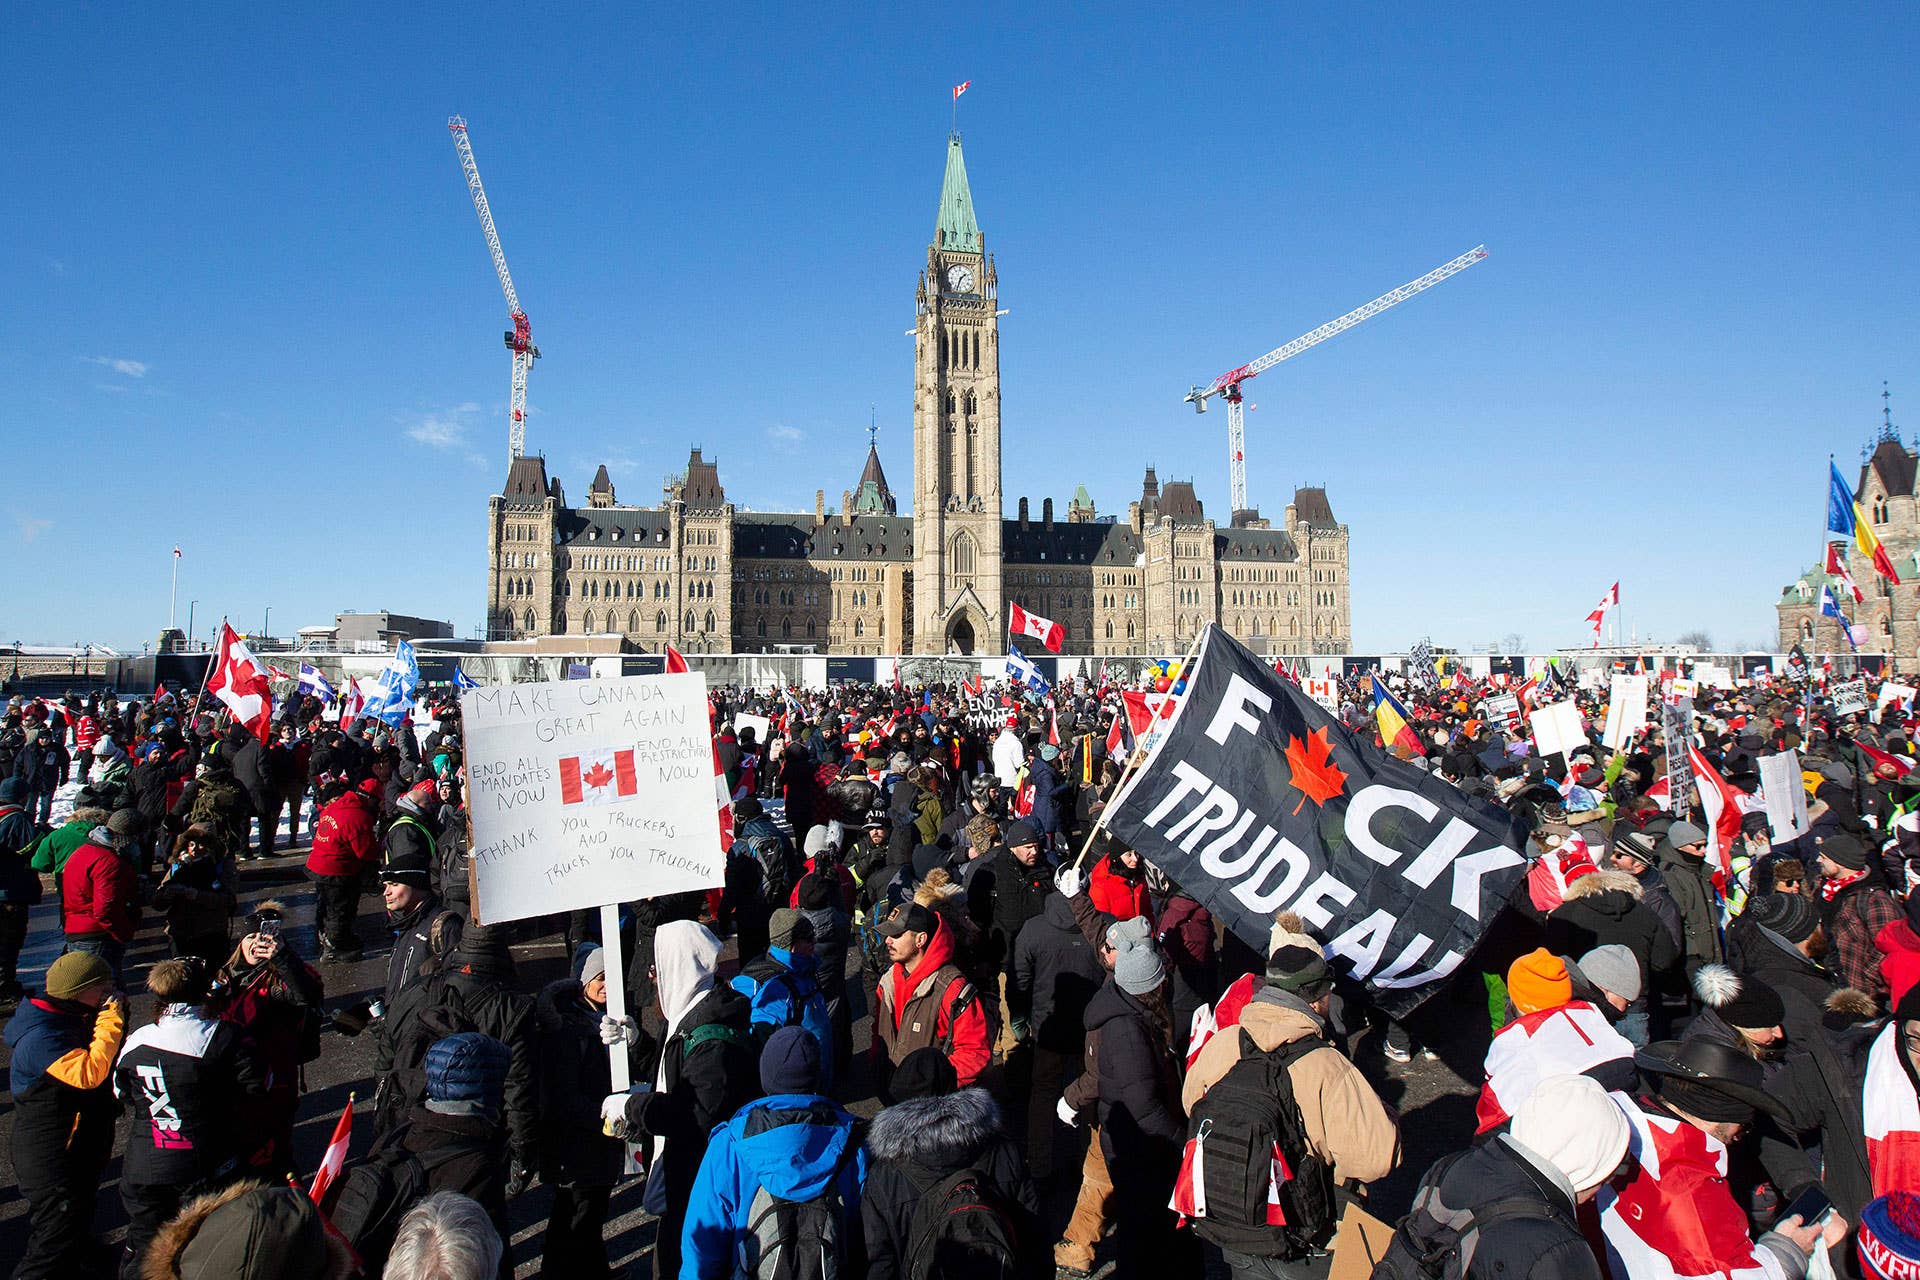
1556	730
1324	692
1504	707
588	792
1785	794
1891	692
1849	697
1626	712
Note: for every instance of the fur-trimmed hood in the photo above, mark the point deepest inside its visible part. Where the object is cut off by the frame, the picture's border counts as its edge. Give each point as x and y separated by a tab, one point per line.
1603	882
274	1239
91	816
941	893
942	1132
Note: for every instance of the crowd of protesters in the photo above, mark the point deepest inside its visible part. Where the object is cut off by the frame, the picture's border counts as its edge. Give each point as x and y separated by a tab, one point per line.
1701	1044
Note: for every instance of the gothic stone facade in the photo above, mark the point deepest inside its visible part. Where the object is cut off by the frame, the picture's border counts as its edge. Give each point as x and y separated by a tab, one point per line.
1891	615
705	577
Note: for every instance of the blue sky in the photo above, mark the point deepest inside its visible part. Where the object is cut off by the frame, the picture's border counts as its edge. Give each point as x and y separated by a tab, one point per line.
251	311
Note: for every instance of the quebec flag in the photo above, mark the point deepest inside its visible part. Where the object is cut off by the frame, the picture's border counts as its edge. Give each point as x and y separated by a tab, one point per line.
392	697
1020	670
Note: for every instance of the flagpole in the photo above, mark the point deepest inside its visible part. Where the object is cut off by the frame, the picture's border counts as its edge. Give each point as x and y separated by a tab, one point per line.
1135	759
173	592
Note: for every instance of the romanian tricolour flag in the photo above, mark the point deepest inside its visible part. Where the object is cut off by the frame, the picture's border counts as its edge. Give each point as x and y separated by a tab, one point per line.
1396	726
1846	519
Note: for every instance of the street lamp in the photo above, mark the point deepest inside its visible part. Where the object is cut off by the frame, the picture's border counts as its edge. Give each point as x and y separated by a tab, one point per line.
190	606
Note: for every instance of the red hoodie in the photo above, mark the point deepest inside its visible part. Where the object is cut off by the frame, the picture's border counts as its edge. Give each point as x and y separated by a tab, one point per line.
1901	969
99	894
972	1046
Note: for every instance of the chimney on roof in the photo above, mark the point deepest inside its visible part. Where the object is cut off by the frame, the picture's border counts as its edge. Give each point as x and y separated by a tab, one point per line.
819	506
846	506
1023	513
1046	514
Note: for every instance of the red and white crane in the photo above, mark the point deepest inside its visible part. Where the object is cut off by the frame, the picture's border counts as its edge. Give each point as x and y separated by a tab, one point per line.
520	337
1229	383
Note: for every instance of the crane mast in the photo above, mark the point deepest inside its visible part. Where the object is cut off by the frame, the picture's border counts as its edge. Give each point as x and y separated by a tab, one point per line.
520	339
1229	383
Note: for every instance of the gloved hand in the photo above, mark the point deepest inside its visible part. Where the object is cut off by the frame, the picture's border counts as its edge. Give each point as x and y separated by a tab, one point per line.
1022	1028
1068	1116
613	1116
618	1030
1069	881
519	1177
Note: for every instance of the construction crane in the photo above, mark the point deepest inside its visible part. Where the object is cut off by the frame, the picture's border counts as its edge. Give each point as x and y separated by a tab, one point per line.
520	337
1229	383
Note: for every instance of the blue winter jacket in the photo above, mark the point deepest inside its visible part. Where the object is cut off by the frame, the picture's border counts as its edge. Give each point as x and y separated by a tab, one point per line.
788	995
793	1144
1049	795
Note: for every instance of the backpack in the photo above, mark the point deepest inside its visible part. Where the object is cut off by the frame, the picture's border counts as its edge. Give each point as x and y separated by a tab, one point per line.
1241	1119
798	1239
367	1202
778	872
1436	1242
799	990
962	1229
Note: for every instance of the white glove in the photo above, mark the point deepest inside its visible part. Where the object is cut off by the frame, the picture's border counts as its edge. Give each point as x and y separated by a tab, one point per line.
1068	1116
1069	881
618	1030
613	1115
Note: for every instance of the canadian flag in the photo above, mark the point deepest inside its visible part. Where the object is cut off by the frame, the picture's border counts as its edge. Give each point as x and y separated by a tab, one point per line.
1837	570
597	777
1892	1116
1143	708
677	665
1611	600
1720	806
242	685
1045	630
336	1156
351	704
1053	726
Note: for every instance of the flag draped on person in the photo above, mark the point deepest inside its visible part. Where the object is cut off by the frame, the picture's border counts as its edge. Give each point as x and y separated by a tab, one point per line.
1048	632
1845	519
313	684
1021	671
392	695
1720	806
1396	726
241	683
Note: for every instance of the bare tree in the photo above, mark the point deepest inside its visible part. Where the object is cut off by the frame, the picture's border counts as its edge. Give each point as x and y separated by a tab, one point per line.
1513	642
1698	638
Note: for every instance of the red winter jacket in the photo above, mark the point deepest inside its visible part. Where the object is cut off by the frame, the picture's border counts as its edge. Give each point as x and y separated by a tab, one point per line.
99	894
1900	945
1114	894
345	842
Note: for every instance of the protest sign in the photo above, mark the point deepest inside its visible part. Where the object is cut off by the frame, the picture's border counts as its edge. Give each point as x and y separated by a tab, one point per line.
760	725
1626	712
1504	707
1682	688
1258	801
587	792
1324	692
1891	692
1785	794
1557	730
1849	697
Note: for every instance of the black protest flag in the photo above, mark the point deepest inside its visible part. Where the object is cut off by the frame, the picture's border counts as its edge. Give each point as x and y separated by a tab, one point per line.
1256	801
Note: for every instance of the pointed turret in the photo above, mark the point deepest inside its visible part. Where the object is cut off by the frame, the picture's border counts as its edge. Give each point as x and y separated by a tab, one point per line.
956	228
873	497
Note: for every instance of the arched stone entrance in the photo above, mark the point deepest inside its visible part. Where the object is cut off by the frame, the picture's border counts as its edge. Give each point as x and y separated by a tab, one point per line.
960	635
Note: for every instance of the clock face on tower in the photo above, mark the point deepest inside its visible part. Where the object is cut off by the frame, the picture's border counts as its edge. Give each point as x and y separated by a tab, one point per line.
960	278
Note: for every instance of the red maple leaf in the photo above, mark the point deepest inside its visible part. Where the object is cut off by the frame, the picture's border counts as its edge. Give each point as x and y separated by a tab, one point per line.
598	776
1314	772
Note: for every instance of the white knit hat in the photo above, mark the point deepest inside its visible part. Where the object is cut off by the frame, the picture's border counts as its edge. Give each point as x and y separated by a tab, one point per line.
1572	1123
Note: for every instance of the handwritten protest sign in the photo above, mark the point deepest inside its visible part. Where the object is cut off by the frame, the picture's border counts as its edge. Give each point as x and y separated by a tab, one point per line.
588	792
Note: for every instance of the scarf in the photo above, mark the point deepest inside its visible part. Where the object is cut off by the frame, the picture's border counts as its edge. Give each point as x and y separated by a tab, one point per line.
1830	889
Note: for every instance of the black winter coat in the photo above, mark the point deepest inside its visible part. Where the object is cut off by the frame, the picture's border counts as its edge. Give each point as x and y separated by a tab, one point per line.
1055	973
478	1170
1548	1246
574	1080
249	761
1604	909
1019	894
1140	1116
445	1003
938	1137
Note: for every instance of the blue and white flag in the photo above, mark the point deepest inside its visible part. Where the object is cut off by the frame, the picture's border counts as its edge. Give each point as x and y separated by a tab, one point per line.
462	680
392	697
1020	670
1830	608
314	684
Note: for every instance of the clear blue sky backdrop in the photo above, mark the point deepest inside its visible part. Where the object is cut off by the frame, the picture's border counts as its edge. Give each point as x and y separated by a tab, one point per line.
251	311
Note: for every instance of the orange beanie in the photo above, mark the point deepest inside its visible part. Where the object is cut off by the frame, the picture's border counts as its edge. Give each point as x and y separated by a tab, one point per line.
1538	980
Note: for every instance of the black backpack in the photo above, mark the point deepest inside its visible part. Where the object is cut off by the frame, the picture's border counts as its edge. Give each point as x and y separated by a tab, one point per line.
365	1205
1437	1242
1240	1118
800	1239
962	1229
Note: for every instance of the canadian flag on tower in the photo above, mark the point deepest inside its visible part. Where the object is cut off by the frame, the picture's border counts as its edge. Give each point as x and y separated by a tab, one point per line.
1045	630
242	684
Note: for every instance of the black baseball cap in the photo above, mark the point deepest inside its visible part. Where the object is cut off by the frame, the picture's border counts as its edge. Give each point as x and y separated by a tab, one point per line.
909	917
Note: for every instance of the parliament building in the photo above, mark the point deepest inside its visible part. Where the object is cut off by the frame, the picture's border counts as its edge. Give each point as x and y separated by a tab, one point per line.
697	573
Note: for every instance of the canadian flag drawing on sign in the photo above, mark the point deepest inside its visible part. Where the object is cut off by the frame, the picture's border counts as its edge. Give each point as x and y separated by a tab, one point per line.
597	777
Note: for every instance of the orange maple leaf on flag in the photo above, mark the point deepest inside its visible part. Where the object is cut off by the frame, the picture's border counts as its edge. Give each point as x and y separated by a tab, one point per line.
1314	772
598	776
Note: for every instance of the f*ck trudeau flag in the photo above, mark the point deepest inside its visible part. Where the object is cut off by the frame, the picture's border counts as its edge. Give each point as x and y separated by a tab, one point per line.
1255	801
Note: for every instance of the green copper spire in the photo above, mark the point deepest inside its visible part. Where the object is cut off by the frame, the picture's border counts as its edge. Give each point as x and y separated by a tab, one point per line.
956	228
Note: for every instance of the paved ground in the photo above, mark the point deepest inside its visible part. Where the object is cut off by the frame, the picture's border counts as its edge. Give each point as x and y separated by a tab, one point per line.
1436	1106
